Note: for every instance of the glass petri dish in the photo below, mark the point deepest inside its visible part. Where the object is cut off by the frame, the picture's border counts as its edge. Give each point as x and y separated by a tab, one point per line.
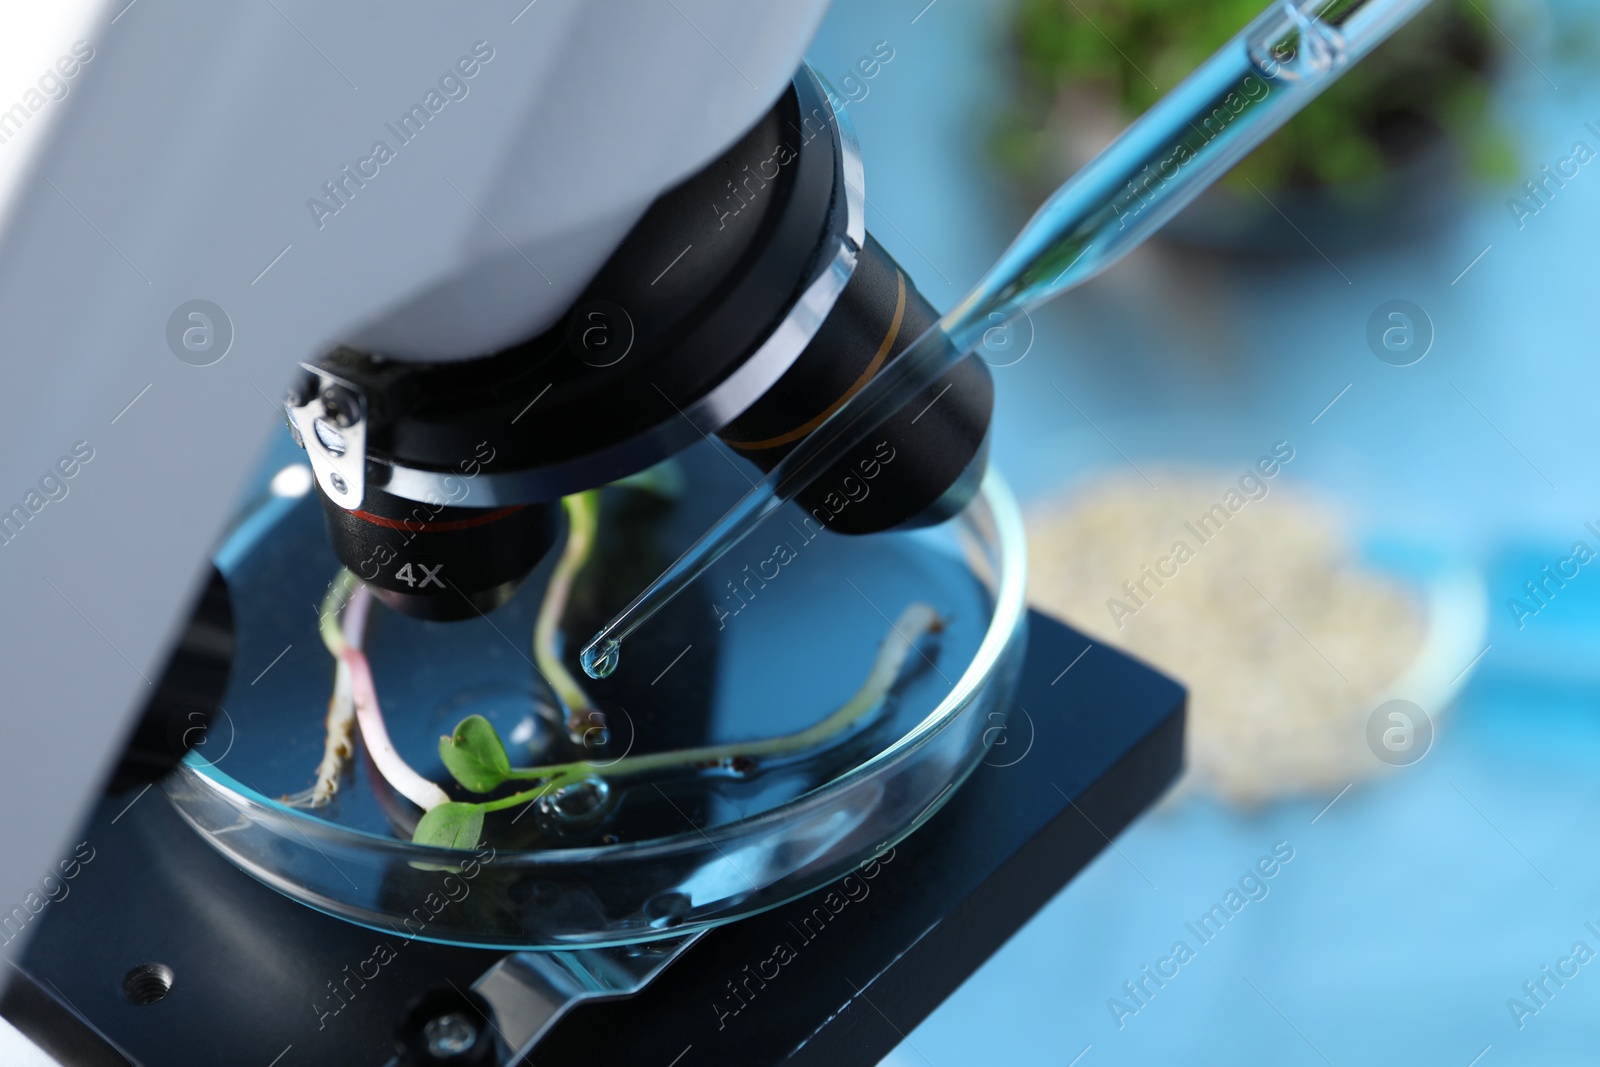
780	645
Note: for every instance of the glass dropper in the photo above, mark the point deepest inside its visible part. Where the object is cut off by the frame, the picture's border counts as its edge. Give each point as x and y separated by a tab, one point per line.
1189	139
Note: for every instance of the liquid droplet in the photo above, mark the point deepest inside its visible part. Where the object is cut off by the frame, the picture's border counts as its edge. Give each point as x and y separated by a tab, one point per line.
576	805
667	910
601	660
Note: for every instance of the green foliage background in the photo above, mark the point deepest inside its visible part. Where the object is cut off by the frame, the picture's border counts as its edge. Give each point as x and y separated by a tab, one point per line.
1437	67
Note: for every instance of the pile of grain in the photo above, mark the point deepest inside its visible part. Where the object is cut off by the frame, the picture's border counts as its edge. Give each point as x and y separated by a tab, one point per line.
1284	641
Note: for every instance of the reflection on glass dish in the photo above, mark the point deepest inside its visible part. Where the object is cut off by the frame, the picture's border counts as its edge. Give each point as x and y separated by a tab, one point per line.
779	724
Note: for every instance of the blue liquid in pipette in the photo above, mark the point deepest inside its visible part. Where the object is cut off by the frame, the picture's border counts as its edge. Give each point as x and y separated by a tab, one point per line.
1188	140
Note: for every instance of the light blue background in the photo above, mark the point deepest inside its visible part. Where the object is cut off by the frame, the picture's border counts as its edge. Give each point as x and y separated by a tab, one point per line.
1419	902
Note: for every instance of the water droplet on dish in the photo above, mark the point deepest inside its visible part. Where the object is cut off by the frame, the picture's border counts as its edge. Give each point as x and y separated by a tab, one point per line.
600	660
666	910
576	805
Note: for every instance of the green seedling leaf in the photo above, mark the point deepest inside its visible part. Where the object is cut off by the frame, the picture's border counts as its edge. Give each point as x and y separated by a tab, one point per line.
451	826
474	755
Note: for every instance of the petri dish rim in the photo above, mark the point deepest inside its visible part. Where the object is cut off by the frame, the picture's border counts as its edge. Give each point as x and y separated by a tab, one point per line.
1010	598
994	522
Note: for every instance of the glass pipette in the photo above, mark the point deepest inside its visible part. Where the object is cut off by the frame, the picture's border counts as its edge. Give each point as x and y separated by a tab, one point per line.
1190	138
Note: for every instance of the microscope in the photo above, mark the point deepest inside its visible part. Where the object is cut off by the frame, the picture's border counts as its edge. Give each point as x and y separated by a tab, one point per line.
748	303
474	263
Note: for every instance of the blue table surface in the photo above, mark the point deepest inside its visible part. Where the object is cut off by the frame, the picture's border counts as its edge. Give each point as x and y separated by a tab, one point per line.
1420	903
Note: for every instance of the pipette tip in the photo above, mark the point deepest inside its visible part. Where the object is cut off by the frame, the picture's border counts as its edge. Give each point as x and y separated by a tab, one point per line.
600	659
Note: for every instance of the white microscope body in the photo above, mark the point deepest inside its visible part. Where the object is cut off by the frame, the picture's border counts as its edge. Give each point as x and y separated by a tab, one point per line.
196	196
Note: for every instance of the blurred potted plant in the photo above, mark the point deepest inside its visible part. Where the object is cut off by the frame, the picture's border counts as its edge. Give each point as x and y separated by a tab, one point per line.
1372	158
